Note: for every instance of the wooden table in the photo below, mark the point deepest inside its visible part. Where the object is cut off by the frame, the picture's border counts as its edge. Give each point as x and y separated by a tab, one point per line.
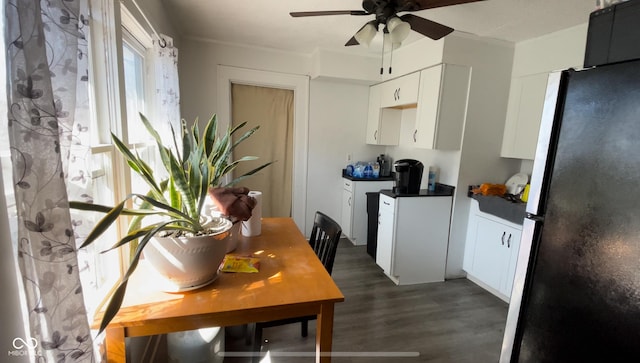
292	282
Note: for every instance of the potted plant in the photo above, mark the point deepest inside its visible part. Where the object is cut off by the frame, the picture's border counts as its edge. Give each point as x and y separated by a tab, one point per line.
171	213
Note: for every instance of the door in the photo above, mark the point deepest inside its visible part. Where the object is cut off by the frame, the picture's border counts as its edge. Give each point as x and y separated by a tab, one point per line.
386	233
300	86
272	110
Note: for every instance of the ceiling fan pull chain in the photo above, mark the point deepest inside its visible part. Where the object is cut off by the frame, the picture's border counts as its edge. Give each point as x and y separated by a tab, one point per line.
391	59
382	58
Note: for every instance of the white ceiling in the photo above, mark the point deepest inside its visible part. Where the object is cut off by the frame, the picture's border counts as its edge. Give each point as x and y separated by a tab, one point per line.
267	23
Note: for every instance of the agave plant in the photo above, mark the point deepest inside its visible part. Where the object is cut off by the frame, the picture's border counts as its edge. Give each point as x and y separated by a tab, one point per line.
175	203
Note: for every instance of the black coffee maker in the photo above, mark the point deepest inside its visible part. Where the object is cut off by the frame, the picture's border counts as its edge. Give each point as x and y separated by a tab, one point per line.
408	176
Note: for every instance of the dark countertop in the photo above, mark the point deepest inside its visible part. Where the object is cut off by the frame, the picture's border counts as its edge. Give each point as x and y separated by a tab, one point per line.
382	178
442	190
502	208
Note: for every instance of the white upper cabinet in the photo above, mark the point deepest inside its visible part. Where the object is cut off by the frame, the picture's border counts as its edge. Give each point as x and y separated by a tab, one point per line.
442	106
524	112
383	124
400	91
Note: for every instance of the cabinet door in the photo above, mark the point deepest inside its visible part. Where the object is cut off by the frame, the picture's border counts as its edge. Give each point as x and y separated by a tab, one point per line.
383	124
373	118
442	107
400	91
384	251
513	246
489	256
347	213
524	112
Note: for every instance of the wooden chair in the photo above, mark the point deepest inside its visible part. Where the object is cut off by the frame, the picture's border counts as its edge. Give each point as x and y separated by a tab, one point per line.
324	242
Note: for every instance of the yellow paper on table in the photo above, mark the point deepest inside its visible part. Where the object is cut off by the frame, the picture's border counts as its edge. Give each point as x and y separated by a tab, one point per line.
240	264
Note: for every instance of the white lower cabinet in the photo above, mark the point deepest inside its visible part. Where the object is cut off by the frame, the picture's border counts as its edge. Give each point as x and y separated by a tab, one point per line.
491	252
354	207
413	237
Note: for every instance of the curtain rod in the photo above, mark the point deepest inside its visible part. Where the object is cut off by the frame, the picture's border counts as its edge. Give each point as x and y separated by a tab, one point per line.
161	41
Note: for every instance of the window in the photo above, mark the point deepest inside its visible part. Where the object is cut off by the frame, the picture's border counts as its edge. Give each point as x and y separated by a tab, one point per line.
112	179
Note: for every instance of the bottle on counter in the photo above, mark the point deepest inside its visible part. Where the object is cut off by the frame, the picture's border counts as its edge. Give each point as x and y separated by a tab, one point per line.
433	174
349	170
358	170
385	166
376	170
368	171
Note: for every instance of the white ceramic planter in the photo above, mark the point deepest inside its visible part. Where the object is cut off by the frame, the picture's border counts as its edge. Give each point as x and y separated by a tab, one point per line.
188	263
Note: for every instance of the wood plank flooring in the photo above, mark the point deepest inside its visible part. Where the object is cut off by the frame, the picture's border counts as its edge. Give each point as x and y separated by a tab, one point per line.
448	322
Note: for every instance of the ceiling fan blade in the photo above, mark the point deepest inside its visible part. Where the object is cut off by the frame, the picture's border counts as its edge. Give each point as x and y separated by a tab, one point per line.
426	27
297	14
415	5
352	41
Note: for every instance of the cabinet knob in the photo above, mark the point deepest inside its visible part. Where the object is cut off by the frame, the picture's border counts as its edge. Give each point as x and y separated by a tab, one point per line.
415	133
349	202
509	241
503	234
375	135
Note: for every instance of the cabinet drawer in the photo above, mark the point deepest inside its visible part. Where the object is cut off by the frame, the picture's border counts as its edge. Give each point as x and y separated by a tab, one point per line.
347	185
387	204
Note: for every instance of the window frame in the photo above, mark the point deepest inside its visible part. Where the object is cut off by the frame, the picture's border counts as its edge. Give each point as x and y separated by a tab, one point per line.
112	27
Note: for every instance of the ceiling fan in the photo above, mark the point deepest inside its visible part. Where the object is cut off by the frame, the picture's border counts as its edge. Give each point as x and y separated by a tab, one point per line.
386	13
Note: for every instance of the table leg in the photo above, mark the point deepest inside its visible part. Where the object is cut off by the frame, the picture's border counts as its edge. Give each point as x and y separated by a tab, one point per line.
324	333
114	341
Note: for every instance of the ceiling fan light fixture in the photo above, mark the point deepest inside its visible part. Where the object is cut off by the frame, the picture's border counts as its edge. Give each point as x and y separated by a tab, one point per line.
398	29
365	35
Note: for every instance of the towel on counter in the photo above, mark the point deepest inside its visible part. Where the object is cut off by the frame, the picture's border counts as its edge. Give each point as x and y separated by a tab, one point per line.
233	201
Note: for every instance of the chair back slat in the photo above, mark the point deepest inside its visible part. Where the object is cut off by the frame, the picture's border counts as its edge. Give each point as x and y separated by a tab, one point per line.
324	239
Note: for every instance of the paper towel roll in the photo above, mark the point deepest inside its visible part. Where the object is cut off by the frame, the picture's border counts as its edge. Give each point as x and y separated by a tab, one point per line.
253	226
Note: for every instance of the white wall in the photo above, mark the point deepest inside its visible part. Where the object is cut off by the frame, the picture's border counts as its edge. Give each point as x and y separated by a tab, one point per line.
337	126
559	50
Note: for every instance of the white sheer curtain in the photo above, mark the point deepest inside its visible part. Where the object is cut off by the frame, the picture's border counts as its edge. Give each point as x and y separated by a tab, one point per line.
48	120
167	92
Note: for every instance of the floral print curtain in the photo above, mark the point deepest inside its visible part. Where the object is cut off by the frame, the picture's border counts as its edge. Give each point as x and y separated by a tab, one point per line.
48	128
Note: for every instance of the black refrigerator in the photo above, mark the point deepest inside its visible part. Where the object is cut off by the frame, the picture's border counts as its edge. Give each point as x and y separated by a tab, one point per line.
576	294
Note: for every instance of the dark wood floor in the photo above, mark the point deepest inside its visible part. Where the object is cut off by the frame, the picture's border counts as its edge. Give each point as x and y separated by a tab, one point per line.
452	321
